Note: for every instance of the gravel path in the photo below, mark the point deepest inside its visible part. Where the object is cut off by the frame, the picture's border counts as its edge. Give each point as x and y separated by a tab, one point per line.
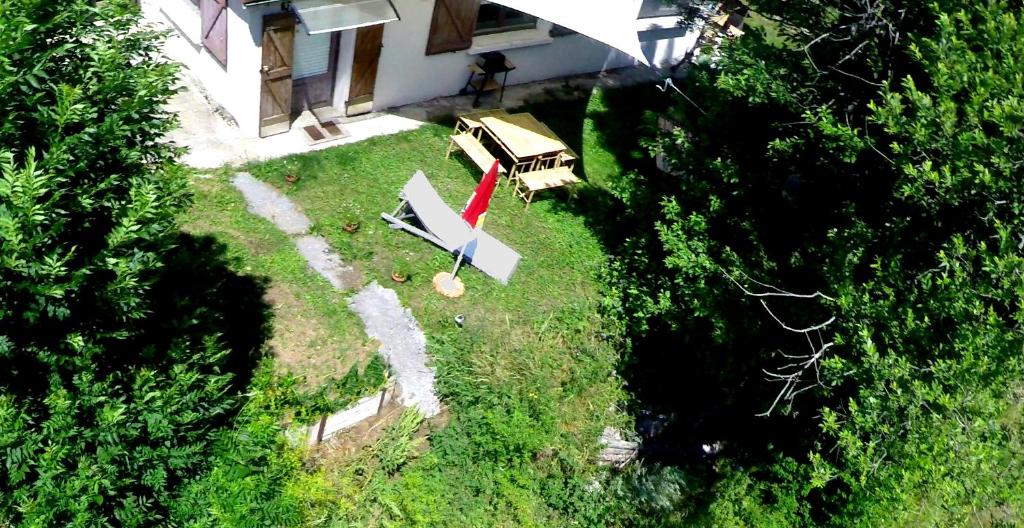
326	262
267	202
402	343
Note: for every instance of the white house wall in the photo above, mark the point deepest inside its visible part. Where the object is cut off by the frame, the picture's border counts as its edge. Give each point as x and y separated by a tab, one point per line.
236	88
407	75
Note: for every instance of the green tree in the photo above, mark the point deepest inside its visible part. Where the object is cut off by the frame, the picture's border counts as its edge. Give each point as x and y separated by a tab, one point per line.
114	390
873	154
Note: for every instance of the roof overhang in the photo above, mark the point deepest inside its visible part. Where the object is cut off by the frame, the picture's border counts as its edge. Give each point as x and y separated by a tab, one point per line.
612	22
326	16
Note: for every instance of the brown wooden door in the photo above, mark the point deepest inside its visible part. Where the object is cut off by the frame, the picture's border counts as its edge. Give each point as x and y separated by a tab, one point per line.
276	74
369	40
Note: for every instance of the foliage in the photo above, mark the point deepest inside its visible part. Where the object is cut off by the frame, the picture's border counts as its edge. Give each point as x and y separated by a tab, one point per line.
89	191
110	448
251	465
126	343
870	151
104	415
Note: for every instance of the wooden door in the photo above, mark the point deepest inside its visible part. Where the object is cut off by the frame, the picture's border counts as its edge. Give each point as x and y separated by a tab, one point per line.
276	74
369	40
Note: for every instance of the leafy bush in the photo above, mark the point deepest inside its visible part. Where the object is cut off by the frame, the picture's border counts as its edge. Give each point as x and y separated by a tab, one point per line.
872	153
123	365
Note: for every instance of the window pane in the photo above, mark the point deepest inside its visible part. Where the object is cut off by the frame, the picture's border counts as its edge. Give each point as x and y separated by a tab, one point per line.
488	18
659	8
494	18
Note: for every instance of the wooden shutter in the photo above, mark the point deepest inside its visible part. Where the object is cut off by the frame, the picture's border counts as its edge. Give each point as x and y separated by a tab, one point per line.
453	24
276	73
214	18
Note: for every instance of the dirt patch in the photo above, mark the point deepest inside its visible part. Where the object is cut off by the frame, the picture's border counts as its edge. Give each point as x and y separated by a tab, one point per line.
303	343
344	446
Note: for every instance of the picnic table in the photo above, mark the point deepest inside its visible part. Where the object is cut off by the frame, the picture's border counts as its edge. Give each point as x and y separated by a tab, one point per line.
540	159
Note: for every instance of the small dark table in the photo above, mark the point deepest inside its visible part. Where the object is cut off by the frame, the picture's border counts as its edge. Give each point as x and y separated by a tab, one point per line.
482	75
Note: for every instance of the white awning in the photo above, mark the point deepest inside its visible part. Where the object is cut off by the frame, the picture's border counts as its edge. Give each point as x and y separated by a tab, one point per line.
612	22
324	16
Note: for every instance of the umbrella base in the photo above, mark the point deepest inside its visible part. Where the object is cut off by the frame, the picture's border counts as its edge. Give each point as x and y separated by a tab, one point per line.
448	286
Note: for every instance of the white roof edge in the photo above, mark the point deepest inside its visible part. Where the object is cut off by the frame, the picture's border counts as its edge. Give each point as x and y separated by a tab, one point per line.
612	22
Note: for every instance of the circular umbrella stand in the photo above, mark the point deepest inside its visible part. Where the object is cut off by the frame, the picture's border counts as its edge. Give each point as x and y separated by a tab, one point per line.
448	286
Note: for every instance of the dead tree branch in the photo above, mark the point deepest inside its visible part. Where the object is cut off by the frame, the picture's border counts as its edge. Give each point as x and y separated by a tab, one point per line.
796	375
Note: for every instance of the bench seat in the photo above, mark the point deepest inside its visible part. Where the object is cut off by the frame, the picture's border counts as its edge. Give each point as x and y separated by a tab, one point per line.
476	151
529	183
548	178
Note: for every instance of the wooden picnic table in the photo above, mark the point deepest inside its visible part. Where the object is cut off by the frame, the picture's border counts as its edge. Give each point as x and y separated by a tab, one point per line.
540	160
471	122
522	136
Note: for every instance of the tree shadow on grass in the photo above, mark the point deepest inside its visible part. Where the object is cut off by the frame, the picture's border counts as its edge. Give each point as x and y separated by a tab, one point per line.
604	131
691	386
198	295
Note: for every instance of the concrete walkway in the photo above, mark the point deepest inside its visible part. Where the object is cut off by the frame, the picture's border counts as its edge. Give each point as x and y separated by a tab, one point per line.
212	141
402	342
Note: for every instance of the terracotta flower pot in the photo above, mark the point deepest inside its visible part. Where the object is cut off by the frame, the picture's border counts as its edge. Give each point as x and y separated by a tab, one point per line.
398	278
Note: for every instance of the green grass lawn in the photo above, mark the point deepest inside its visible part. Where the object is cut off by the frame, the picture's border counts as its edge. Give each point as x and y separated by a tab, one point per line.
314	334
528	381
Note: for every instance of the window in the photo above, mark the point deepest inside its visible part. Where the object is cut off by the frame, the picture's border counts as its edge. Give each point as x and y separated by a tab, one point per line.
659	8
494	18
560	31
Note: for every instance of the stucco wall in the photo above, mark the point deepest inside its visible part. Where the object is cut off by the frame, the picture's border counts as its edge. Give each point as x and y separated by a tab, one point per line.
406	74
237	87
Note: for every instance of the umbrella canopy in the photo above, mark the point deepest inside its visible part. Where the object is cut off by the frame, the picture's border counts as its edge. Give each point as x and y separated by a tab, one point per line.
476	207
612	22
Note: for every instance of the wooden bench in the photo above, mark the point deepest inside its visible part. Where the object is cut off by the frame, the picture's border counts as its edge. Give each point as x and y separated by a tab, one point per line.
475	150
471	122
530	182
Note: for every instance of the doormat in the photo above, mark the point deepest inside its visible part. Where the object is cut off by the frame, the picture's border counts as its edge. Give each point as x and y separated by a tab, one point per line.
324	132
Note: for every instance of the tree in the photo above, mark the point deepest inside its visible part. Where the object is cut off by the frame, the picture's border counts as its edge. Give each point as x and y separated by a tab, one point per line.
116	383
872	154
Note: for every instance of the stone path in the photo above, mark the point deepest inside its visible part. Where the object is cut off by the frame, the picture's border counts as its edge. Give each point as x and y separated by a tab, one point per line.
403	345
265	201
402	342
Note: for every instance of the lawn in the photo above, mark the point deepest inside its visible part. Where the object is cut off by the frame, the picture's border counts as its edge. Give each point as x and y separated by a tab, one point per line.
314	334
528	381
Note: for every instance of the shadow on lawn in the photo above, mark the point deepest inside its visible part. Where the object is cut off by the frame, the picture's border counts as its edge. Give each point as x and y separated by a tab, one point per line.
605	131
691	387
198	295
